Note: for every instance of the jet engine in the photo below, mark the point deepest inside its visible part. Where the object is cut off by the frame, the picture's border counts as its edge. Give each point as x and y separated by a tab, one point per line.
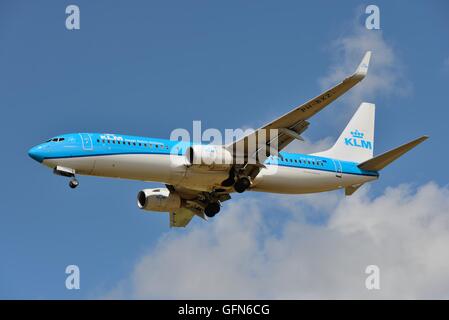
208	155
159	199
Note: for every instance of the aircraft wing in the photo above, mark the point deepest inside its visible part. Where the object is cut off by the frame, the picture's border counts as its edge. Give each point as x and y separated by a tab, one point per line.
292	124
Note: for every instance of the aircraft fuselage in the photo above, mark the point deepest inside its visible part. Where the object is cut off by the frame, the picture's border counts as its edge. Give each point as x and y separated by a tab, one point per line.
159	160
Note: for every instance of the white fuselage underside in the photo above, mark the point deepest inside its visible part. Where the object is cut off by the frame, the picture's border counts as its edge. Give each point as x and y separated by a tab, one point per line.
173	170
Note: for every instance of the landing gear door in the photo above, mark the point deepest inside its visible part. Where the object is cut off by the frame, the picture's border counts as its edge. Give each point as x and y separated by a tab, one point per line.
86	141
338	169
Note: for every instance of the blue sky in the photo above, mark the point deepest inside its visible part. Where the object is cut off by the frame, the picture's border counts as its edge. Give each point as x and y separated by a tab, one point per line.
147	67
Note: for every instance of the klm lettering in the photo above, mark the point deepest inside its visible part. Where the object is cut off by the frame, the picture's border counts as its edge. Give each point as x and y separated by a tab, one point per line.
353	142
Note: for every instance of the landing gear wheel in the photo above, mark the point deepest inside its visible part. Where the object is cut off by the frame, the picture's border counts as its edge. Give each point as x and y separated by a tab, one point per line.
73	183
242	184
212	209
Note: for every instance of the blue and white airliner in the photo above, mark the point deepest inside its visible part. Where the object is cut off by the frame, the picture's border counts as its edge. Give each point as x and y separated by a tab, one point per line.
196	184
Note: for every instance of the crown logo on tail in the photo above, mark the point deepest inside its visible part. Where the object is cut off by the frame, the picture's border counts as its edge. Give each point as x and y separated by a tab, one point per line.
357	134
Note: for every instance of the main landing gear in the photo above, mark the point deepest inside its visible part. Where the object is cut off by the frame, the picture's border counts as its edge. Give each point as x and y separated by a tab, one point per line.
212	209
242	184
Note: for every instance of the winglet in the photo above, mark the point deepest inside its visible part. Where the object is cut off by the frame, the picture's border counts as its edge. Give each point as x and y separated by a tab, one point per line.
362	69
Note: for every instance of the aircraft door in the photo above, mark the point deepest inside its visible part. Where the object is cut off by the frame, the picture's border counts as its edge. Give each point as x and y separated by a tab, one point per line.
86	141
338	168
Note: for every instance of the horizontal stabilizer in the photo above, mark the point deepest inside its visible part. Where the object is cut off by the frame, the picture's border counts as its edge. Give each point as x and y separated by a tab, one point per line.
380	162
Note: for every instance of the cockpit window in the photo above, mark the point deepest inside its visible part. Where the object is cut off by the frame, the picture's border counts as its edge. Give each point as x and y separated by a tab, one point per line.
56	140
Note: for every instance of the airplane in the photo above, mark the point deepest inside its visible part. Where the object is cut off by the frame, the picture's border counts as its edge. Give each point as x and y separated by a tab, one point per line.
197	183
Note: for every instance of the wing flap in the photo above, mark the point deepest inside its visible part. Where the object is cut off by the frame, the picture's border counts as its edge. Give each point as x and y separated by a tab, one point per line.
192	204
181	217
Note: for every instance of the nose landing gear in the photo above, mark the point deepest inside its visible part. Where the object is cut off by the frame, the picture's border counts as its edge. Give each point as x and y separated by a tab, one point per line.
73	183
67	172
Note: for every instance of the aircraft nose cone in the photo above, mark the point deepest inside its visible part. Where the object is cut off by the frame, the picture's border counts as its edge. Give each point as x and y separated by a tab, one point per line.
36	154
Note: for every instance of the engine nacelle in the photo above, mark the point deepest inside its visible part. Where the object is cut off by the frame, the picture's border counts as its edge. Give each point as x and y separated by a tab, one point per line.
159	199
208	155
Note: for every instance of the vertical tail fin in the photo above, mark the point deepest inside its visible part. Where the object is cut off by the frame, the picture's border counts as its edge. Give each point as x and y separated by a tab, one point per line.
356	142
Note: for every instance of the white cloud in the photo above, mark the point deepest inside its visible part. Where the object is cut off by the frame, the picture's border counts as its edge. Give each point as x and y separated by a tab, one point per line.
385	76
244	253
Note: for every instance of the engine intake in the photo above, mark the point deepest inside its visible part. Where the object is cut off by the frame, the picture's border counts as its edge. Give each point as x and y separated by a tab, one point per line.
159	199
